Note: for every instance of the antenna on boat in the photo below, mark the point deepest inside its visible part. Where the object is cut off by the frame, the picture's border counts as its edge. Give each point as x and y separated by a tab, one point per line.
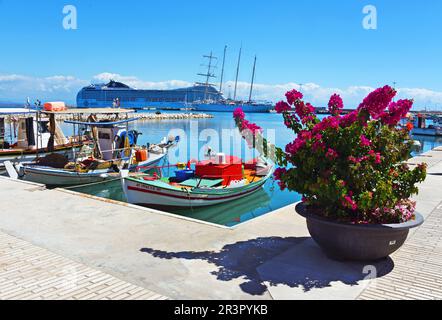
222	71
209	74
253	79
237	73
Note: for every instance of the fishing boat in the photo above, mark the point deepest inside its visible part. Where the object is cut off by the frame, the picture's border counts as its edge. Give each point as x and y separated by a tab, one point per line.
114	148
213	181
420	127
26	134
437	119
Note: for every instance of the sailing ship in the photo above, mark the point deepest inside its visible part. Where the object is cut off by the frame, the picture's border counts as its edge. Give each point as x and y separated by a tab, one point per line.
219	103
213	181
26	133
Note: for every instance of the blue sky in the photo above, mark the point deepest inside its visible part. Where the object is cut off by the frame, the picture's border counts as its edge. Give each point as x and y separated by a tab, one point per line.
316	42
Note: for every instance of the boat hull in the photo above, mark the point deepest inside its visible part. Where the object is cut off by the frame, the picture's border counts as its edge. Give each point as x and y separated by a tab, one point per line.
435	132
56	178
21	157
154	159
137	105
142	193
59	177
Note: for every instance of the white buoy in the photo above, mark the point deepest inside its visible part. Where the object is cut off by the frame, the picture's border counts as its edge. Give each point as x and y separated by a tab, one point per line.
10	169
124	173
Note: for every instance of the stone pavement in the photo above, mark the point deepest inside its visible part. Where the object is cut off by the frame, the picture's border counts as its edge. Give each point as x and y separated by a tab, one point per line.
418	266
28	272
270	257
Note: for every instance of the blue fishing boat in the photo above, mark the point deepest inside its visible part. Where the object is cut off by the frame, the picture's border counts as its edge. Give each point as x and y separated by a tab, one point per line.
114	148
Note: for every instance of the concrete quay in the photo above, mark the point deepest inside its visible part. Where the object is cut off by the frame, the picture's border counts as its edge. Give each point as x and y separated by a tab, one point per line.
270	257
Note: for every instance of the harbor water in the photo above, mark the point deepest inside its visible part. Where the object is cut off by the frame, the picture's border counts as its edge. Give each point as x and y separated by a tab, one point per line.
196	136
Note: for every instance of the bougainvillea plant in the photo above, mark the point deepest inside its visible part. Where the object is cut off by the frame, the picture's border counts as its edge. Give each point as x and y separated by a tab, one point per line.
351	167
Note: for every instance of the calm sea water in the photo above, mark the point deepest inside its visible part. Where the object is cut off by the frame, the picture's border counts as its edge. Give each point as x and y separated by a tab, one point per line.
196	135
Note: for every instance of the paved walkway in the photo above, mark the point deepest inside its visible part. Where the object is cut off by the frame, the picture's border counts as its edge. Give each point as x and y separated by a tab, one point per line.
418	266
417	273
270	257
29	272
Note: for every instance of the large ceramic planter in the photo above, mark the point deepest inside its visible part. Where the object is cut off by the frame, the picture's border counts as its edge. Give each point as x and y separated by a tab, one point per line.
357	242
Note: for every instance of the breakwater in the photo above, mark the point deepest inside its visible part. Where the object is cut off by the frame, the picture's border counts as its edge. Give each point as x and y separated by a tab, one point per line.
140	116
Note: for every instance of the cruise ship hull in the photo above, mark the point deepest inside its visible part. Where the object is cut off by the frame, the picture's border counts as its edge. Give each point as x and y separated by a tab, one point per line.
120	95
137	105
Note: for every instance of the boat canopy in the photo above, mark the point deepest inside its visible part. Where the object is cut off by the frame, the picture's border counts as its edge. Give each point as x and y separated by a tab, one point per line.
101	124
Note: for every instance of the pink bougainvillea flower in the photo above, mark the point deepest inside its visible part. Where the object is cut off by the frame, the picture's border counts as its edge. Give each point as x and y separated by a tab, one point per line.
376	156
326	123
377	101
254	128
308	119
365	142
396	112
337	164
244	124
331	154
238	113
295	146
304	110
293	96
279	172
348	202
348	119
282	106
318	145
282	185
335	105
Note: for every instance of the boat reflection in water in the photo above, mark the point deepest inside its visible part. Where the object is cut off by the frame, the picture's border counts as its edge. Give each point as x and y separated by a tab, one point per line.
227	214
231	213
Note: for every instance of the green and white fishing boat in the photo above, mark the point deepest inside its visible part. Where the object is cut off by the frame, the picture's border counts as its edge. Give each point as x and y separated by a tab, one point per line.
211	182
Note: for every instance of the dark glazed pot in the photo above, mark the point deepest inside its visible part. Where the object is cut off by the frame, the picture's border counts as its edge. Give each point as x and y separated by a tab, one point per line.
343	241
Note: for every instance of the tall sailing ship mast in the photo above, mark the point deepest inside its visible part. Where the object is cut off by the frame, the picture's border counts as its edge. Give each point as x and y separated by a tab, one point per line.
253	80
237	73
222	71
208	75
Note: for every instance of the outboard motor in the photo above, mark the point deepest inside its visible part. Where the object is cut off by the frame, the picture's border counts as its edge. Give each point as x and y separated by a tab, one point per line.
133	137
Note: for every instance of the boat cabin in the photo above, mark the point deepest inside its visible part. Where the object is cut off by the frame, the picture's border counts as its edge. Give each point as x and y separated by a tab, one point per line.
228	168
27	130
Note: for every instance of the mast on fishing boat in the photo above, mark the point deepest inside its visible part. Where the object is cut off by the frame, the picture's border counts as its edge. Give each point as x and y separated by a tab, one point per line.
237	73
253	80
222	71
208	75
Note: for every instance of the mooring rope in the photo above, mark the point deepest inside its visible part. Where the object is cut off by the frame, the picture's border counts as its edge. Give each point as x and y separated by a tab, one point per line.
92	184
